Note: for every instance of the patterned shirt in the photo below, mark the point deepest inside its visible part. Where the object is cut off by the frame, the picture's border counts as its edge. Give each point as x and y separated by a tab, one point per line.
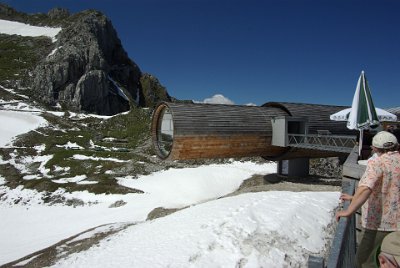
381	211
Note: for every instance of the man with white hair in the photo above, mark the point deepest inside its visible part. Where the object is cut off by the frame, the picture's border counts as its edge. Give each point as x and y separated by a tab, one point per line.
378	196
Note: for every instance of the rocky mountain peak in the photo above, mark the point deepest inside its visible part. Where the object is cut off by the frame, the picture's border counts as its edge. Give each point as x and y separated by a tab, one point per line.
87	68
58	13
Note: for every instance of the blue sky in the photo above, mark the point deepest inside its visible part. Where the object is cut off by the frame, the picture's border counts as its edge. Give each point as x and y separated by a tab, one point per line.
258	51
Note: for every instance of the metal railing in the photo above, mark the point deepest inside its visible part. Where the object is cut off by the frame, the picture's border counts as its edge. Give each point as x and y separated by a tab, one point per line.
336	143
343	249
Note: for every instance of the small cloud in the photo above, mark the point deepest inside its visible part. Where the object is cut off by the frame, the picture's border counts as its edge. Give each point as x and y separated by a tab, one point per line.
218	99
251	104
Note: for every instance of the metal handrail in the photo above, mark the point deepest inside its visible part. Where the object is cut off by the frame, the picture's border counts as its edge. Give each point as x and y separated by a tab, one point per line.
340	143
343	248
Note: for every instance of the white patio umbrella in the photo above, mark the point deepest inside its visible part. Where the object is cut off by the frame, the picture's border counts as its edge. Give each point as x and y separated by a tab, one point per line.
383	115
362	114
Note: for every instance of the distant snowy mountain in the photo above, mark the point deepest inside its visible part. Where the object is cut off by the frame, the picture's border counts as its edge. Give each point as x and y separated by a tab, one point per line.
218	99
394	110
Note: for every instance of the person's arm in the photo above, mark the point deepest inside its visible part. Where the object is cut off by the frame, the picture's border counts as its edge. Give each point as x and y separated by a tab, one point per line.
359	198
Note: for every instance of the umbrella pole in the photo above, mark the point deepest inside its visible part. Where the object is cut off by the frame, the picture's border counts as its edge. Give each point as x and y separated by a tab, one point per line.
360	142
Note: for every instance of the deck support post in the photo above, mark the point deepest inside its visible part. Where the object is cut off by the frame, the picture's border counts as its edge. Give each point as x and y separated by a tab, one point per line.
298	167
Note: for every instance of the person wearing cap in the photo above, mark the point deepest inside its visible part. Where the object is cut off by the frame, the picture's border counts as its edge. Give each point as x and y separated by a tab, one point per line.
388	255
378	196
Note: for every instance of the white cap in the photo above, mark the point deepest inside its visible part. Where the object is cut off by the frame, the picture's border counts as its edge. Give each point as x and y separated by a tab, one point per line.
384	140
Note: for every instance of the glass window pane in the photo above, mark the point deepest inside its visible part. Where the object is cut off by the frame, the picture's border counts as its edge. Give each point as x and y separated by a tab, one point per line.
165	132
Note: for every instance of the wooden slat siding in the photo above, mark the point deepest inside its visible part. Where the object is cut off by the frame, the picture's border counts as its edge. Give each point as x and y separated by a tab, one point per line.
222	131
207	119
193	147
196	147
318	116
219	131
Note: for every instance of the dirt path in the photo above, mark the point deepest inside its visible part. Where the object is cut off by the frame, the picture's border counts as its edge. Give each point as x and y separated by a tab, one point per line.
273	182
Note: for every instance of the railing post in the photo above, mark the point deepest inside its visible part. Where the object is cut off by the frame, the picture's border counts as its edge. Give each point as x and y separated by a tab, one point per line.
316	262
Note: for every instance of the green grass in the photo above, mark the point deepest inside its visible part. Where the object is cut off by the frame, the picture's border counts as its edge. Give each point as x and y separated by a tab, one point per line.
132	127
18	55
153	91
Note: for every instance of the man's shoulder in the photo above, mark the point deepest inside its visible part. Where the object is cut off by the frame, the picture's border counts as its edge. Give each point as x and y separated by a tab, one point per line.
374	160
391	156
394	154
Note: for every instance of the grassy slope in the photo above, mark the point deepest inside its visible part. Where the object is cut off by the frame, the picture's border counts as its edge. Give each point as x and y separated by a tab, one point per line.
129	131
18	55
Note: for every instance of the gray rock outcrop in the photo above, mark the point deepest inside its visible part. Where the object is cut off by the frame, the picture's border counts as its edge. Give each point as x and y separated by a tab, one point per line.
152	90
86	69
58	13
89	70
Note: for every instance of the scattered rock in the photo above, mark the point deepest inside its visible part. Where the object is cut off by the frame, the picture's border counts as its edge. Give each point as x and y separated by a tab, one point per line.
117	204
326	167
160	212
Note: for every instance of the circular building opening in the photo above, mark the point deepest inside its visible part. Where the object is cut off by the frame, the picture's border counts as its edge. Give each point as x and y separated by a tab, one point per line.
165	132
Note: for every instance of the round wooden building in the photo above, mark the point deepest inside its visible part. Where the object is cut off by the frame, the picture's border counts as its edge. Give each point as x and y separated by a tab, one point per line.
194	131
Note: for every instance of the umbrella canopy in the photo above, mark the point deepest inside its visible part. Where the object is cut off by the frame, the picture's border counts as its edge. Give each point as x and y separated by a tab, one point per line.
363	113
383	115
